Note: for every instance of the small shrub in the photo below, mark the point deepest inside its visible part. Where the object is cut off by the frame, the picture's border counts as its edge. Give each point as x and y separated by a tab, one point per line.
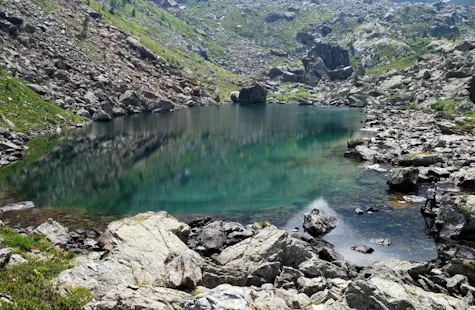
264	224
446	106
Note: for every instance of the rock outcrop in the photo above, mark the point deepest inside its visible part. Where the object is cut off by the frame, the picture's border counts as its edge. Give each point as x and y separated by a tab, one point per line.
403	179
254	94
318	222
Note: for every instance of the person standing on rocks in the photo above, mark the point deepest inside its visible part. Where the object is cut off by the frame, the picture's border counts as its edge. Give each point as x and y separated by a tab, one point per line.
430	196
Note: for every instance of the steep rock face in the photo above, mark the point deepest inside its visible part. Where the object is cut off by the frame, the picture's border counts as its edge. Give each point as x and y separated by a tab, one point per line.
456	217
333	56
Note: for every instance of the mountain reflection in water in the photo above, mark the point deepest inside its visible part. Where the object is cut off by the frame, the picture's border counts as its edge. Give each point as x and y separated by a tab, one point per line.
233	162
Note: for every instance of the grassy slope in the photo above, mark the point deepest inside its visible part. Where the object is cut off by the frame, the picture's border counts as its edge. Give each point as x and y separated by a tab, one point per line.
30	285
251	24
27	110
151	26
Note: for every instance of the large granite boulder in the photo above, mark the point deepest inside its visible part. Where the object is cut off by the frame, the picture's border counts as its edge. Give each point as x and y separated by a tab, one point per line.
465	178
138	248
263	255
318	222
254	94
403	179
456	217
333	56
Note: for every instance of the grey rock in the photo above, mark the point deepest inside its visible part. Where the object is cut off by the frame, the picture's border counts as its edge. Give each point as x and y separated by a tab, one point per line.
101	116
333	56
5	256
54	232
362	153
362	249
17	206
456	217
318	222
403	179
254	94
311	286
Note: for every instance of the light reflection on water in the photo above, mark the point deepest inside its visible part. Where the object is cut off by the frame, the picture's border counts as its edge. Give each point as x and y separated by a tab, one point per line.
240	163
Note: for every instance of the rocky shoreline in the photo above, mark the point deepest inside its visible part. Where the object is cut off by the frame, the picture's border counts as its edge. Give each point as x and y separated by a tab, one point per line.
153	261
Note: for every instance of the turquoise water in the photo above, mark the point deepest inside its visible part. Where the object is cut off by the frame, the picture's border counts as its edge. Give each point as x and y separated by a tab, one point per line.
233	162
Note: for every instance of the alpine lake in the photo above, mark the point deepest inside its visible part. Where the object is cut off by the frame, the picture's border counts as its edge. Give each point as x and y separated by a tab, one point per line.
244	163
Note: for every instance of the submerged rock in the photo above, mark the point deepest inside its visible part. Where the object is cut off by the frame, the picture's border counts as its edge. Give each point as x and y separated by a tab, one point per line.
317	222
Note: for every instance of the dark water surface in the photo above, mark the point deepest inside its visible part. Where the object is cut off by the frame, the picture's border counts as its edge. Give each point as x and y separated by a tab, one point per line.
242	163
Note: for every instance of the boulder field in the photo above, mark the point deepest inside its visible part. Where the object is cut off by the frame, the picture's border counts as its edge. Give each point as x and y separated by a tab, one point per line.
153	261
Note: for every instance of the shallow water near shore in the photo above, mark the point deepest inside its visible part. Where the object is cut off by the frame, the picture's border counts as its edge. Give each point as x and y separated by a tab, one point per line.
243	163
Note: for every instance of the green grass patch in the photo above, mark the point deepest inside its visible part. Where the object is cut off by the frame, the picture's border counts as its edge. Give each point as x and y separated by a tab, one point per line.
446	106
397	64
150	29
417	154
301	95
30	284
264	224
411	106
468	125
469	114
419	45
27	110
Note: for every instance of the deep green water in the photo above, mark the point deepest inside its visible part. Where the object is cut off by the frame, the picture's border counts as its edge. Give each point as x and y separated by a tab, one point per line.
242	163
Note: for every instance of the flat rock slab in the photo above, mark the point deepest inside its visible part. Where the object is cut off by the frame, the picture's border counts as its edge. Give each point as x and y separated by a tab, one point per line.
17	206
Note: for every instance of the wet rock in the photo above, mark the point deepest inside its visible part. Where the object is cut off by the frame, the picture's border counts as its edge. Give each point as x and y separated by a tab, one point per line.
362	249
254	94
465	178
362	153
359	211
403	179
318	222
101	116
54	232
352	143
17	206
